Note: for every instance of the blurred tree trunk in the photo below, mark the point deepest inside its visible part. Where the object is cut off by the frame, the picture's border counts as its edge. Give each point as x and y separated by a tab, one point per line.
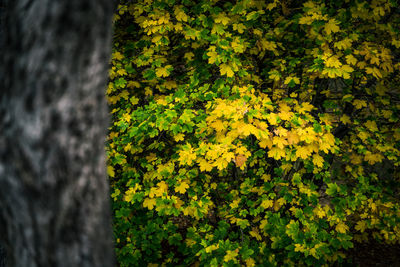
54	201
2	257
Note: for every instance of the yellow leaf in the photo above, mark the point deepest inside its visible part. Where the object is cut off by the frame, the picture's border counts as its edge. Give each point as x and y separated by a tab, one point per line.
178	27
212	56
342	228
133	84
274	75
126	117
318	160
285	115
396	43
313	252
343	44
156	38
235	203
151	157
162	72
205	165
149	203
332	72
237	46
187	155
347	98
190	242
371	125
374	71
319	212
162	101
361	226
331	26
332	62
221	164
373	158
221	18
254	233
246	129
292	138
306	20
263	223
250	262
226	70
363	135
268	45
189	56
379	11
117	56
346	68
218	125
299	247
350	59
211	248
182	188
305	107
170	84
280	142
110	171
359	103
272	5
289	79
265	142
361	64
122	72
180	15
158	191
124	94
278	204
163	19
178	203
276	153
179	137
134	100
240	160
231	255
162	186
267	203
345	119
303	152
272	118
374	60
239	27
127	147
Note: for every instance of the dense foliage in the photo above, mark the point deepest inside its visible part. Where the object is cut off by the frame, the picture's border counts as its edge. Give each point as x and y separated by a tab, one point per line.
256	133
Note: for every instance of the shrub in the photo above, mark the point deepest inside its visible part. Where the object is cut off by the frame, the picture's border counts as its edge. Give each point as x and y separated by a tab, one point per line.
256	133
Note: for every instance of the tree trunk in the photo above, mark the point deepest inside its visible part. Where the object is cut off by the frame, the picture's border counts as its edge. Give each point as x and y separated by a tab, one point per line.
2	257
54	201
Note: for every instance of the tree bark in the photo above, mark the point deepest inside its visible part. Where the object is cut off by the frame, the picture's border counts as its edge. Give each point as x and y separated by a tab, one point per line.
2	257
54	201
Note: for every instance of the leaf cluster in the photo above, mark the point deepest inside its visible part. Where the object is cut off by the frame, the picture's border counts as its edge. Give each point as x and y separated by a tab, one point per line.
253	133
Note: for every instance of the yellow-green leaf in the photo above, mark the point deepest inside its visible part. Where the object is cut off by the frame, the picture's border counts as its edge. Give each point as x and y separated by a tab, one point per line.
182	188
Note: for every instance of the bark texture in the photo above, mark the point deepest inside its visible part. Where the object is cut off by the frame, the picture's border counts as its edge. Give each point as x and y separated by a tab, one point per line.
54	201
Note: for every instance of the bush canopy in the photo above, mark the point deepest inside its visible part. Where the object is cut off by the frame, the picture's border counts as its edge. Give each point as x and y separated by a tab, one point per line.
253	133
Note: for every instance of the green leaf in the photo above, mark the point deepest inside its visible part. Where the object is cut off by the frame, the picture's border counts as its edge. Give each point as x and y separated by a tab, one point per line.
332	189
120	83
